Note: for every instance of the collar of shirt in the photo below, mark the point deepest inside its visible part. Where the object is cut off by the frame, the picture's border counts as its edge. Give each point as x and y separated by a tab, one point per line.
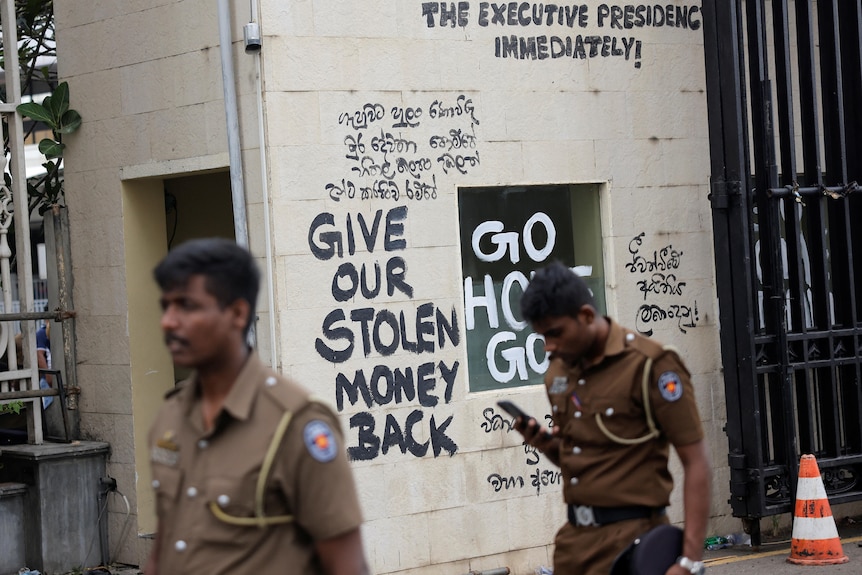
239	400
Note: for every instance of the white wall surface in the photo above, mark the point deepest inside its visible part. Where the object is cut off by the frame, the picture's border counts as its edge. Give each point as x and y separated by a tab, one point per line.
629	118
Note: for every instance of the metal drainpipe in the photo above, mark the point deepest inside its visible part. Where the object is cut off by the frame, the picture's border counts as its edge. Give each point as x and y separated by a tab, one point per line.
232	115
497	571
264	186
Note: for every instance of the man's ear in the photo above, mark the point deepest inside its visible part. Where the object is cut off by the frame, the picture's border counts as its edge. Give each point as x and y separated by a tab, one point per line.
240	310
587	313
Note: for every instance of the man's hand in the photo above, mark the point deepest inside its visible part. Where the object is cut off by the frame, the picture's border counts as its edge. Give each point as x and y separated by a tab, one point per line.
539	437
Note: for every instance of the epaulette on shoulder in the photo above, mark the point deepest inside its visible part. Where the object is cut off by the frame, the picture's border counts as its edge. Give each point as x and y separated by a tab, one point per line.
176	389
649	347
291	396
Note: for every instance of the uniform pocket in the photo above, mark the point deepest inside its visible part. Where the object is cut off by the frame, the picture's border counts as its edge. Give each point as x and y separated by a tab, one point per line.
166	482
230	503
620	419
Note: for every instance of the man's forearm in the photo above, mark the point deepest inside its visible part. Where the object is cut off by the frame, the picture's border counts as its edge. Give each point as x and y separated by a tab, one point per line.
697	488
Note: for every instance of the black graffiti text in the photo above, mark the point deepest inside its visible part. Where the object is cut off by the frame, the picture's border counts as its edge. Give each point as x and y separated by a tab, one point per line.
370	443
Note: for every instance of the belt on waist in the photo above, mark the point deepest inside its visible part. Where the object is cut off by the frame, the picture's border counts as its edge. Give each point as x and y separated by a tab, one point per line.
587	515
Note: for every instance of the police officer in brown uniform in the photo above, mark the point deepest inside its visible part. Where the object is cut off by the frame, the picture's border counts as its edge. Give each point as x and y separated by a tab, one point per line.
617	400
249	470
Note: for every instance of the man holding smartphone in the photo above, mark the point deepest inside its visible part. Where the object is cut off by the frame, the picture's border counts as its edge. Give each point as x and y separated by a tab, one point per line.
618	400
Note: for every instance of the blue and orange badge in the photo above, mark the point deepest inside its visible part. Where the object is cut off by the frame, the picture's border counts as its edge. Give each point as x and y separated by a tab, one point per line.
670	386
319	441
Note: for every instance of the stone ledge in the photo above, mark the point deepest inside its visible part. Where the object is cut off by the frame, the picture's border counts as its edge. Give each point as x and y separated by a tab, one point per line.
10	489
54	450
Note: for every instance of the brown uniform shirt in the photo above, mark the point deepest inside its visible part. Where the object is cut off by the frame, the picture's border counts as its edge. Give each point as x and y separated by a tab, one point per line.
597	470
310	479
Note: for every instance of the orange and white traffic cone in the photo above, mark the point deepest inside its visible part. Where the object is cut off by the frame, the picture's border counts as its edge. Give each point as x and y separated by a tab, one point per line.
815	538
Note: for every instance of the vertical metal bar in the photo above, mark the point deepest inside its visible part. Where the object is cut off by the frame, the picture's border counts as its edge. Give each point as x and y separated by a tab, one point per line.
833	91
783	420
811	222
787	145
733	251
17	169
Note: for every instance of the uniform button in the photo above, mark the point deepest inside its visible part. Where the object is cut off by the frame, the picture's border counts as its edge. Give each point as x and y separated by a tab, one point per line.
180	546
203	444
573	481
609	411
578	415
630	337
192	492
554	409
582	381
156	484
223	500
270	381
576	450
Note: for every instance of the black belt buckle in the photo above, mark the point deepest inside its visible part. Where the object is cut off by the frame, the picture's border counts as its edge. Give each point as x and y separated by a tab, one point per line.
589	516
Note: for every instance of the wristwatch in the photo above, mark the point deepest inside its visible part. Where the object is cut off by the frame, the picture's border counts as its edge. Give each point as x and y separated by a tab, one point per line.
694	567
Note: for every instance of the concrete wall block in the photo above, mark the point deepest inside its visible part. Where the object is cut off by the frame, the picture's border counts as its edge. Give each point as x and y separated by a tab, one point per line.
540	519
457	533
294	118
689	165
665	216
102	200
631	163
97	95
560	162
294	18
303	173
214	127
13	525
188	126
398	543
76	14
672	68
105	388
375	19
421	485
147	86
665	115
372	491
102	339
121	147
123	550
314	63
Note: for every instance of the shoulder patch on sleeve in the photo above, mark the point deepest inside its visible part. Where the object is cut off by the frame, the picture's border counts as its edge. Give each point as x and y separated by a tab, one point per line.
670	386
320	441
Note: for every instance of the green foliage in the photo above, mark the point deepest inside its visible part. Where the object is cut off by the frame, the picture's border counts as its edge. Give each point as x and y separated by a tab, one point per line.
55	113
12	407
35	23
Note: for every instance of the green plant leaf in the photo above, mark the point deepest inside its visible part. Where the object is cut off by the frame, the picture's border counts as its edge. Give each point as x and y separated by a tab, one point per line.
36	111
51	149
60	100
70	122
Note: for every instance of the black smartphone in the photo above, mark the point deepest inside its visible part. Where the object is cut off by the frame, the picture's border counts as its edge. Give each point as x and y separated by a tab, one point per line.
516	411
513	409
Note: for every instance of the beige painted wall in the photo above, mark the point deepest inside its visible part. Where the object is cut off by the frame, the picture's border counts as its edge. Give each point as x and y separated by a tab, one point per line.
147	82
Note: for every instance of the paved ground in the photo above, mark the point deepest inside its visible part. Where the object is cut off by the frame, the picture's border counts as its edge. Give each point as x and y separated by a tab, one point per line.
771	558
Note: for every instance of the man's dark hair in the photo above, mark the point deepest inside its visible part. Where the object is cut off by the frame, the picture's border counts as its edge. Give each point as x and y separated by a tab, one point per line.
229	269
554	291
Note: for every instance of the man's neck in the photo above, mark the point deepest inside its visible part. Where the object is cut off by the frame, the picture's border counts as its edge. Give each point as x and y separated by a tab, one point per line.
596	352
216	380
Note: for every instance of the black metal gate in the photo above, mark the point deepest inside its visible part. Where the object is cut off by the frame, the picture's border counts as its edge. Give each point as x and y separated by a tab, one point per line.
784	92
